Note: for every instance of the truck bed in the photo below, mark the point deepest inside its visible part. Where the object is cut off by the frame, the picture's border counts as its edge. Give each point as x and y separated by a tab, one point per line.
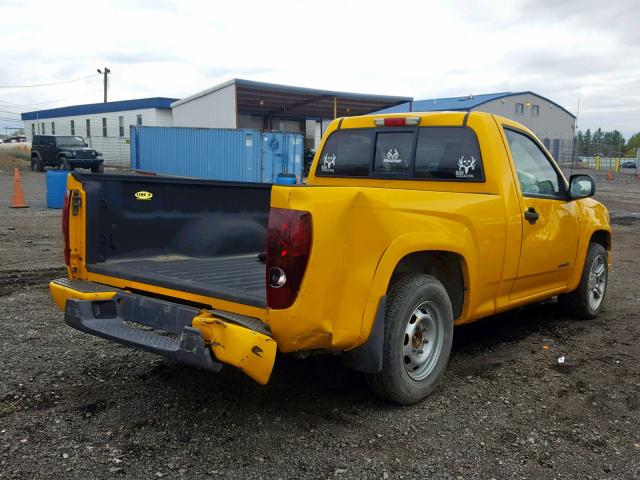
237	278
190	235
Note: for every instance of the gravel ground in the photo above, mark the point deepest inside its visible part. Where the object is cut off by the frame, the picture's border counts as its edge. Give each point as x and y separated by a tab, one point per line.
74	406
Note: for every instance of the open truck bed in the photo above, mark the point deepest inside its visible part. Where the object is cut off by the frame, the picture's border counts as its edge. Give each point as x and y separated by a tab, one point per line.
196	236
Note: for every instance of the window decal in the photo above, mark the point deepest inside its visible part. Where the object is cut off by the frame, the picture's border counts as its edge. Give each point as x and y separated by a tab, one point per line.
465	164
328	162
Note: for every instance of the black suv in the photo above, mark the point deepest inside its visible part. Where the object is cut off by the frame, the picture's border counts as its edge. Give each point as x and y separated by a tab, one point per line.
62	151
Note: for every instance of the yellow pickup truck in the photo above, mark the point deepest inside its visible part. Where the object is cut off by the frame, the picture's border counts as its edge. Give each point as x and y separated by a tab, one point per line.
408	225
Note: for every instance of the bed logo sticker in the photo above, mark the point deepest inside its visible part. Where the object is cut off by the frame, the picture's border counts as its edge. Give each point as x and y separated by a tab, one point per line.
392	156
143	195
328	162
466	164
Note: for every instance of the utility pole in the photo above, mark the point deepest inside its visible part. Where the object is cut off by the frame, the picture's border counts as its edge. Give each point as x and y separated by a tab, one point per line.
105	73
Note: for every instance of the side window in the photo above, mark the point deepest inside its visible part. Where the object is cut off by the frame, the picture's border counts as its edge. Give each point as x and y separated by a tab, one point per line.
36	139
73	127
394	152
535	110
536	175
448	153
346	153
33	130
121	126
519	108
53	128
88	123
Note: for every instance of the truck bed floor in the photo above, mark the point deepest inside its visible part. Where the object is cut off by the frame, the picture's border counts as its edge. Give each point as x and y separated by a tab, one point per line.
238	278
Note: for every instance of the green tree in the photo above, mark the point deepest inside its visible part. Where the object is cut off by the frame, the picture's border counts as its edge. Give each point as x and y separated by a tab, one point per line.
598	140
586	146
634	141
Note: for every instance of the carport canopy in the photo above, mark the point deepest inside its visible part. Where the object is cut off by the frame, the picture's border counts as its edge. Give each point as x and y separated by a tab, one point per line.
268	99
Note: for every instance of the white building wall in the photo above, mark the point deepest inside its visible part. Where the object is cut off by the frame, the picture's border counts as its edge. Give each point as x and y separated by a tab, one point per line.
216	109
115	148
551	123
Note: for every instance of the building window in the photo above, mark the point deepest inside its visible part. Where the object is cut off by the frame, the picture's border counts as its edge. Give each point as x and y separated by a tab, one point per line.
88	128
73	127
138	119
43	129
121	126
53	128
104	126
519	108
33	129
535	110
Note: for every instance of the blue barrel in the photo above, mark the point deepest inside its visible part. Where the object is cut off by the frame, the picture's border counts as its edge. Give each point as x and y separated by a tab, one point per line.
56	186
286	179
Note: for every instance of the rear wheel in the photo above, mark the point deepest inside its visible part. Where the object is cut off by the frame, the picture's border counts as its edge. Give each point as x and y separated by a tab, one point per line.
417	339
586	301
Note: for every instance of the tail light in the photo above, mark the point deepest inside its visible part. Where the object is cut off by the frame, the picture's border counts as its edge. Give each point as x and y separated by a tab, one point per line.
288	248
65	227
397	121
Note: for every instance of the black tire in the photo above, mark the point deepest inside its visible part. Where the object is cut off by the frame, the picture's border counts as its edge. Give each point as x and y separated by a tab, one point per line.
577	303
408	294
98	169
66	165
36	165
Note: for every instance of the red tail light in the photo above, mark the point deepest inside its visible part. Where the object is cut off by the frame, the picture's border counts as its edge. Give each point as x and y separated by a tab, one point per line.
288	249
65	227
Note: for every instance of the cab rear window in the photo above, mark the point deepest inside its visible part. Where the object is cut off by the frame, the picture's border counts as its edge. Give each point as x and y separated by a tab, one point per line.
426	153
346	153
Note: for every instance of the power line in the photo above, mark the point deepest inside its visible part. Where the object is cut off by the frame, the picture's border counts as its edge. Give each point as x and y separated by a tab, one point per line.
48	84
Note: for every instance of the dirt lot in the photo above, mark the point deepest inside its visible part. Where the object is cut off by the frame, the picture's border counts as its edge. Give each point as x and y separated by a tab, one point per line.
73	406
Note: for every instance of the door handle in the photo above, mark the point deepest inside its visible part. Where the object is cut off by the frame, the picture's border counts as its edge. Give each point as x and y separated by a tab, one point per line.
531	215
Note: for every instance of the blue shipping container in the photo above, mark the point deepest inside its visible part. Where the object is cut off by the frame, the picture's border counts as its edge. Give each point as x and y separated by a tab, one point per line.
56	186
244	155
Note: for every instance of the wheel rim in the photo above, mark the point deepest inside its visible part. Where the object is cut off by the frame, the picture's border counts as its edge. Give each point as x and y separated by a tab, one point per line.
422	341
597	281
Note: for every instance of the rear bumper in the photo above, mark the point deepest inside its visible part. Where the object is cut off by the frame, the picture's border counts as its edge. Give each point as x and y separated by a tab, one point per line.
201	338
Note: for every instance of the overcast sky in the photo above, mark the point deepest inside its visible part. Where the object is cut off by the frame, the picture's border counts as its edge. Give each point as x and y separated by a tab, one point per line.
564	50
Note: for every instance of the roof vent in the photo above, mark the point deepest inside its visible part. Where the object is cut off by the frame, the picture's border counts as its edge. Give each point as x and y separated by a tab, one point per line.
468	97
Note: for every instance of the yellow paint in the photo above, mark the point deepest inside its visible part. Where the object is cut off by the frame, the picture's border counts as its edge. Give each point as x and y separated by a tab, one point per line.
363	227
143	195
597	162
252	352
617	168
61	294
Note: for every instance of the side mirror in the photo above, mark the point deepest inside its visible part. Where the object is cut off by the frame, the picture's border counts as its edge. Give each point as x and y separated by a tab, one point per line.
581	186
86	144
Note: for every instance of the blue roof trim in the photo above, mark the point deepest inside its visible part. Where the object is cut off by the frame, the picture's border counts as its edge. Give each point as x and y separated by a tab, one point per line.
462	104
120	106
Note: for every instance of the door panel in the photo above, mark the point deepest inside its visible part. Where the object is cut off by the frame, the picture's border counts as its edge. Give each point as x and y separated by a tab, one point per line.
549	247
550	227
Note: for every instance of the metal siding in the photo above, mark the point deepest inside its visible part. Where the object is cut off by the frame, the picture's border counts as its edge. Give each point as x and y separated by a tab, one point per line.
214	153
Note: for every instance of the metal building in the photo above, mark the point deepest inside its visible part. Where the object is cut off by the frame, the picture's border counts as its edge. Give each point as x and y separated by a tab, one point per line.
104	126
242	103
551	122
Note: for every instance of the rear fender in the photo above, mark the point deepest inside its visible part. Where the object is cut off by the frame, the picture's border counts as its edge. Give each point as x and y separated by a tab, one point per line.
459	243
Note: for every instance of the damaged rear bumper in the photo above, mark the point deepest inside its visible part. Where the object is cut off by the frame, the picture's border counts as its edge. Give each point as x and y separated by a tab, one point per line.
201	338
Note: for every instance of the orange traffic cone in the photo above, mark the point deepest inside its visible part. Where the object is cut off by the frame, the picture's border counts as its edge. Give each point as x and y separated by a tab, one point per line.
609	176
18	196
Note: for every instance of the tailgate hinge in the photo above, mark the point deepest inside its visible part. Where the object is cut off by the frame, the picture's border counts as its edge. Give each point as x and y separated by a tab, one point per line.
76	202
